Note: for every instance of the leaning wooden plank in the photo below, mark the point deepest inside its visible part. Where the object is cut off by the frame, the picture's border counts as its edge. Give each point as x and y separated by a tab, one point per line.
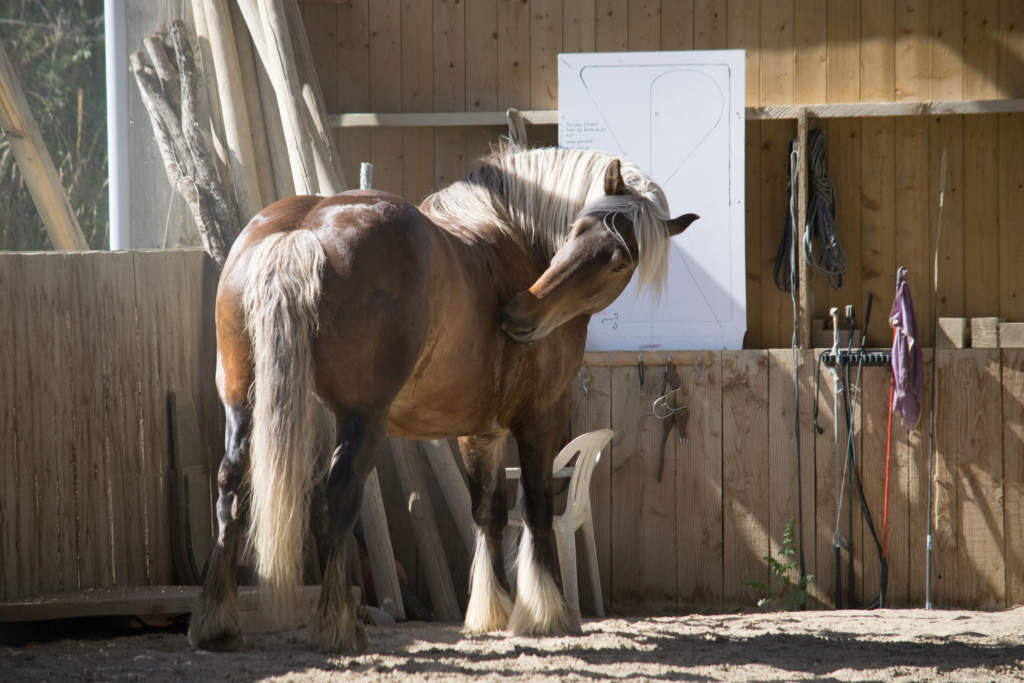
449	478
34	161
130	600
237	134
11	281
378	547
439	579
280	63
1013	474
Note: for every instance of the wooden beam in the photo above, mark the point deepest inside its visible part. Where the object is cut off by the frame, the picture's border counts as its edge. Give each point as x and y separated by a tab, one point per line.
805	302
35	163
379	550
786	111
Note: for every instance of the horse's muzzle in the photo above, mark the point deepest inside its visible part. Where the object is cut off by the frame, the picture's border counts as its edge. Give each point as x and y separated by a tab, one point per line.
516	323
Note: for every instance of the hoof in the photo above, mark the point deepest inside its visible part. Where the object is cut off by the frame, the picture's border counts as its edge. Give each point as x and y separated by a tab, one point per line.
225	642
347	638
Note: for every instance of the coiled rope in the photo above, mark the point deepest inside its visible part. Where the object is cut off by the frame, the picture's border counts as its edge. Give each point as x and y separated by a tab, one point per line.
830	260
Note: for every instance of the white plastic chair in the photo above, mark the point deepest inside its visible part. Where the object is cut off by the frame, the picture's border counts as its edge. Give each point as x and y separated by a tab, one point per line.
577	515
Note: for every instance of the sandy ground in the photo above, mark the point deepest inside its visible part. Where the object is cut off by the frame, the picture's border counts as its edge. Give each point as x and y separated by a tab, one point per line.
885	645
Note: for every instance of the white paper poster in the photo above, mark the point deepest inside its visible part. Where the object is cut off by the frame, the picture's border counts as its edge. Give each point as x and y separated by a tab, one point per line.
680	117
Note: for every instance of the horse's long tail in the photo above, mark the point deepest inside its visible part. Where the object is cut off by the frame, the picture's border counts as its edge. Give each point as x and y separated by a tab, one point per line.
281	295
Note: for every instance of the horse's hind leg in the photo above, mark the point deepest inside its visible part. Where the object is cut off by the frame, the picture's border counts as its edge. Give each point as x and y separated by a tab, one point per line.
490	599
336	627
215	622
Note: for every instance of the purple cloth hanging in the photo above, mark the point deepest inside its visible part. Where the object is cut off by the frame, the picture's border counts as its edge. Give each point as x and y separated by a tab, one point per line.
907	366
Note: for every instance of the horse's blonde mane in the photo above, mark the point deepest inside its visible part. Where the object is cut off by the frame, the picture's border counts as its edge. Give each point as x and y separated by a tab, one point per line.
535	195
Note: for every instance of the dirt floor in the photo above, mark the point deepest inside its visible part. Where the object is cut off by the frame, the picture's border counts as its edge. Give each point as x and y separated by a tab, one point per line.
885	645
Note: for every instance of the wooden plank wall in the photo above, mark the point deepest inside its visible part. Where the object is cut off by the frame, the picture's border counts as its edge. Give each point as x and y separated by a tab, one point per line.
93	343
734	484
493	54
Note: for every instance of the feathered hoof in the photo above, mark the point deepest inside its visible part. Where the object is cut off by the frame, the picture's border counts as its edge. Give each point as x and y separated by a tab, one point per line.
489	611
536	618
340	635
217	629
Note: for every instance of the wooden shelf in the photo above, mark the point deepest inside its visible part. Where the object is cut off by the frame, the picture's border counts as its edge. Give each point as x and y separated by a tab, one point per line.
786	111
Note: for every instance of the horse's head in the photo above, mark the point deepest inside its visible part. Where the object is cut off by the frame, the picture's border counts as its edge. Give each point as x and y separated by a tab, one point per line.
590	270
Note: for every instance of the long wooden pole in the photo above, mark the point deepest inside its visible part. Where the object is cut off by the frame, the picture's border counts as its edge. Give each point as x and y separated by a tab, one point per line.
35	163
237	133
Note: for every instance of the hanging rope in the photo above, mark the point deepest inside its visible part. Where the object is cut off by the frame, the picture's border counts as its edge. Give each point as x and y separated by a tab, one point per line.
829	260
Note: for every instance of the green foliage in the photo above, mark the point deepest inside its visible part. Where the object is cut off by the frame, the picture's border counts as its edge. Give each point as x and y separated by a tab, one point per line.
788	595
57	50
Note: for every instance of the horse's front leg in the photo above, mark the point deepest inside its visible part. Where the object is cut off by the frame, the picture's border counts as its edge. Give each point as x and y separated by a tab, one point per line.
540	607
215	623
490	596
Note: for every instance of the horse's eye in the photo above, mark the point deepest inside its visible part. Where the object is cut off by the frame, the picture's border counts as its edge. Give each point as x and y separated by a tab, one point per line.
619	268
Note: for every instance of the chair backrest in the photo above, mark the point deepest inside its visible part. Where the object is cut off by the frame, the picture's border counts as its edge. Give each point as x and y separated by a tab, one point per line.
589	446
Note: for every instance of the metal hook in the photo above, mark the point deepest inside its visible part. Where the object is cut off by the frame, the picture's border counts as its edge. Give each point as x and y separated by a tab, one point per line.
699	367
583	376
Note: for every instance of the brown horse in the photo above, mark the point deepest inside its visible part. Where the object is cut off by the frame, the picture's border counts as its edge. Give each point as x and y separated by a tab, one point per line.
465	317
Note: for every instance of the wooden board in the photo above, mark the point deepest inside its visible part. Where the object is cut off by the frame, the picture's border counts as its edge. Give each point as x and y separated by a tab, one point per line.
579	18
545	44
611	28
782	453
513	55
386	93
757	279
979	481
352	77
778	55
140	601
776	305
644	518
955	413
1013	473
11	266
591	411
45	448
417	96
699	544
823	589
743	31
874	402
914	450
745	500
877	223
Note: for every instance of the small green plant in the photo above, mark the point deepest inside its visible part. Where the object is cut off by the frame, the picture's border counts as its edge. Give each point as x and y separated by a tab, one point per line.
788	595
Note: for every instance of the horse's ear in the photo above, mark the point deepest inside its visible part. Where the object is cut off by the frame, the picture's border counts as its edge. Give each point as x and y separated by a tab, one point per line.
677	225
613	183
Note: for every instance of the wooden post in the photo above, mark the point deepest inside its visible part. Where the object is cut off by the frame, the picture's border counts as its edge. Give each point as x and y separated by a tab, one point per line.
35	163
237	134
378	547
449	478
804	302
280	63
428	538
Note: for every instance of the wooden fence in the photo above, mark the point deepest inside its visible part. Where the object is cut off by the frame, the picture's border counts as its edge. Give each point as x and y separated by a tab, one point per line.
91	343
727	494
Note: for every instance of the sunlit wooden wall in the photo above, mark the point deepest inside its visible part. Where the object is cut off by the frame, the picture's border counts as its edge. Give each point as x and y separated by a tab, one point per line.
487	55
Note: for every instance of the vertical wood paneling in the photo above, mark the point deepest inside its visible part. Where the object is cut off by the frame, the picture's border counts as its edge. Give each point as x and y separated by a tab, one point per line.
513	54
776	305
912	50
874	402
947	134
743	31
352	78
756	281
579	19
417	96
778	52
481	77
914	447
644	22
981	574
710	19
1013	473
946	44
590	412
744	471
611	26
954	414
385	28
823	589
782	477
878	221
644	522
877	52
449	89
545	44
10	580
677	25
698	542
810	37
913	250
